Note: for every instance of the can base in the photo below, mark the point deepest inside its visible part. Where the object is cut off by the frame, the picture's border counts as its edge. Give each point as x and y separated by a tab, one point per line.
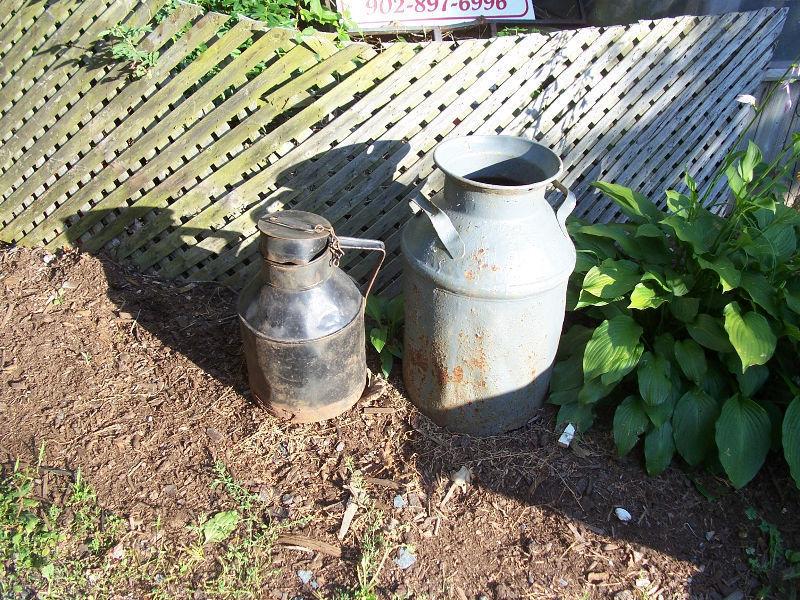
312	415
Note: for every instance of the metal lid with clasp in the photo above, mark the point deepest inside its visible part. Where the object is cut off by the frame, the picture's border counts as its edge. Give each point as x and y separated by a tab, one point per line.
294	237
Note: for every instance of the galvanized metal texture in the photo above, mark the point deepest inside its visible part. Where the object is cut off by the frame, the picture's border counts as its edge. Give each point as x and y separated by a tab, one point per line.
482	330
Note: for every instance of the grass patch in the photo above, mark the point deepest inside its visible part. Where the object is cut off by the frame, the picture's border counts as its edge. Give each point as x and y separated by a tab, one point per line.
73	548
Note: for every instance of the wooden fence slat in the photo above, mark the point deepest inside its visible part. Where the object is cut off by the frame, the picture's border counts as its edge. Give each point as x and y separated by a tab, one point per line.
280	71
70	79
173	172
340	95
224	206
265	47
49	52
119	107
19	22
154	137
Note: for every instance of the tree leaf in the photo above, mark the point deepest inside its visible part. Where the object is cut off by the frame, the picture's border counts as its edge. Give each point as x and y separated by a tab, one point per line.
630	421
729	275
750	335
659	448
644	297
743	439
791	439
693	425
580	415
661	413
654	381
614	350
635	206
752	379
707	331
611	279
692	360
685	308
378	337
219	526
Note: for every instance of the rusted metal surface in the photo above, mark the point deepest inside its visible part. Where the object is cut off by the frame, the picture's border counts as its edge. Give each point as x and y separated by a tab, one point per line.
482	329
302	321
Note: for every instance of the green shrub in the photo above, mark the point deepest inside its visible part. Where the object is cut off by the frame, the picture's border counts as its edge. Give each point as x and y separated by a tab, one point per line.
695	322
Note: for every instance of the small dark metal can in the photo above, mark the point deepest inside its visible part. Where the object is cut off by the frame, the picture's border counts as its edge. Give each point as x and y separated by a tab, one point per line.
302	320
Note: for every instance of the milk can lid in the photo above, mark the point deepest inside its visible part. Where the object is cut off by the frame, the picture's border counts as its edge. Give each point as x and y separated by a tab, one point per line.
293	236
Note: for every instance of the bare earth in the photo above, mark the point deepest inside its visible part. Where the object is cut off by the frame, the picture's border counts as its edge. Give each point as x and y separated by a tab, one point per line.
140	383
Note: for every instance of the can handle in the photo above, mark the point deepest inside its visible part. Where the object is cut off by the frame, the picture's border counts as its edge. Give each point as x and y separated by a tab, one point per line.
566	207
442	225
370	245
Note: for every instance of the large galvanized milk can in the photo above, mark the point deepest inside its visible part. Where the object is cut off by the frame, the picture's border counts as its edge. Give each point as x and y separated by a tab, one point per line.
486	265
302	320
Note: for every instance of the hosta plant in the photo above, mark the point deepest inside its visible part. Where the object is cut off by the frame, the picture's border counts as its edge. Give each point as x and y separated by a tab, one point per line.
688	324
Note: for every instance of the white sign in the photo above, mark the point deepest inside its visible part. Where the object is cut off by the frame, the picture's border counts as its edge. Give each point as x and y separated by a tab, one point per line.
370	14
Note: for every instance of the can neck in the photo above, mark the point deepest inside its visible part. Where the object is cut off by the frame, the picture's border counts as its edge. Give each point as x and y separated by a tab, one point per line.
298	277
463	198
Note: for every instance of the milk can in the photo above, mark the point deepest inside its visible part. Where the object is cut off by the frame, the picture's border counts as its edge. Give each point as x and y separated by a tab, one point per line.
302	320
486	265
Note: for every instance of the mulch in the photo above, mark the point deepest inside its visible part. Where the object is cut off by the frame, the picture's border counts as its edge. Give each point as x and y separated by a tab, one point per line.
140	383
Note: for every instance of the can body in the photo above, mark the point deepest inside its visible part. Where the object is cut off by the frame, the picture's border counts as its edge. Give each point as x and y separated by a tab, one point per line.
482	329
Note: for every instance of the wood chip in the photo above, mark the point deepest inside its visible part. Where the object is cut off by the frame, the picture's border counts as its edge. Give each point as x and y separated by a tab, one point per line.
377	410
302	541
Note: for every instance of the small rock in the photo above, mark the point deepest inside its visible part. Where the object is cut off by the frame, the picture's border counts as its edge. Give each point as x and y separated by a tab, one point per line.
287	499
171	489
69	285
597	577
305	576
622	514
136	441
48	258
340	446
117	552
404	558
502	592
563	582
710	535
214	434
643	582
624	595
400	501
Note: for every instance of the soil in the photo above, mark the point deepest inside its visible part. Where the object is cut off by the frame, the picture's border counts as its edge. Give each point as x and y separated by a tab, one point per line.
140	383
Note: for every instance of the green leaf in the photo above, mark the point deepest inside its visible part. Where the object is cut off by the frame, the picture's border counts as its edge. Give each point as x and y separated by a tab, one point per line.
630	421
219	526
611	279
594	390
750	335
707	331
650	230
580	415
759	290
691	232
743	439
614	350
586	299
752	380
395	309
664	345
659	448
791	439
378	337
376	308
692	360
679	283
729	275
644	297
635	206
567	374
715	383
574	341
387	362
693	425
792	301
661	413
751	158
678	203
735	181
654	381
684	309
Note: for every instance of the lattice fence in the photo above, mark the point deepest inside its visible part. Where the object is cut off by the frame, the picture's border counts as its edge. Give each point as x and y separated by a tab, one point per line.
173	170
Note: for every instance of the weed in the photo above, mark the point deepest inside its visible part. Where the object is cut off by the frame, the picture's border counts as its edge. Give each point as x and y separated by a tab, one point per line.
125	48
386	336
777	568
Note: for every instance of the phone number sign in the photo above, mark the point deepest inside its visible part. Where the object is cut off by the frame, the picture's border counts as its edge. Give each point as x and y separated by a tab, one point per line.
379	13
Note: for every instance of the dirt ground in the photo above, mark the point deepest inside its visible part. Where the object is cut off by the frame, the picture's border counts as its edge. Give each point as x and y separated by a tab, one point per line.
140	383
